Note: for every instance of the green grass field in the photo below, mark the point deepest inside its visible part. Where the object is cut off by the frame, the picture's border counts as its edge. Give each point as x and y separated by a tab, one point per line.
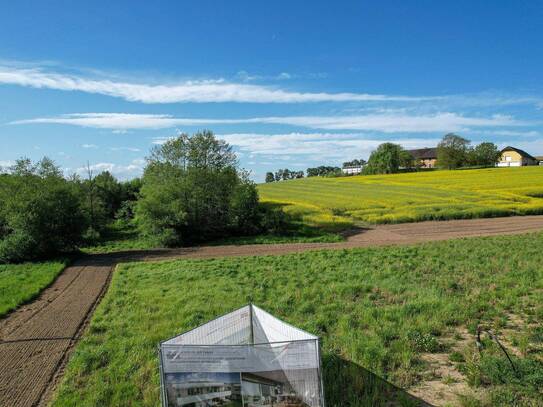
123	237
20	283
380	309
336	203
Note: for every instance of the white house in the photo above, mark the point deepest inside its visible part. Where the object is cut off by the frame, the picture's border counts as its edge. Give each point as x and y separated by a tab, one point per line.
352	169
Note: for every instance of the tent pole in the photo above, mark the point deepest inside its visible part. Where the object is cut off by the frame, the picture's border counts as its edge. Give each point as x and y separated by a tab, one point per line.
252	334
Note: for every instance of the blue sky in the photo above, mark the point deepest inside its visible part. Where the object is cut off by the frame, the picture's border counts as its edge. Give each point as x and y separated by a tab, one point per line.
288	84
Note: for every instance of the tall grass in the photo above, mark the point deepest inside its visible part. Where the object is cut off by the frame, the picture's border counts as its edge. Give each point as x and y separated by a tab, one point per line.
435	195
376	310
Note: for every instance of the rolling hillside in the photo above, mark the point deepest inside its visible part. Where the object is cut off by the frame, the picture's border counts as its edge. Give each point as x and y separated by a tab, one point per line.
337	203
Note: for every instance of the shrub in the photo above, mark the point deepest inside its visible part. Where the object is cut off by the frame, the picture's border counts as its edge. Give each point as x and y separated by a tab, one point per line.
423	342
40	214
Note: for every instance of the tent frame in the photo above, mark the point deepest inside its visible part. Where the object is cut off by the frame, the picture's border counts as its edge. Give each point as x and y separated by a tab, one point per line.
163	393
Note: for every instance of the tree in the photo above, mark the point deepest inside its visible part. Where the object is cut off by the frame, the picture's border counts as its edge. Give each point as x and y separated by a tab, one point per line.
484	154
270	177
452	151
386	159
193	191
109	191
354	163
323	171
41	213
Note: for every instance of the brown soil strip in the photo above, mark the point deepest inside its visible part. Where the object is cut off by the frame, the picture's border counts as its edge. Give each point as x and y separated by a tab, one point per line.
382	235
37	338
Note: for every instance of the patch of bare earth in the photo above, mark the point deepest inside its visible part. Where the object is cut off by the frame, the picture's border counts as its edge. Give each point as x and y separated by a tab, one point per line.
442	383
36	339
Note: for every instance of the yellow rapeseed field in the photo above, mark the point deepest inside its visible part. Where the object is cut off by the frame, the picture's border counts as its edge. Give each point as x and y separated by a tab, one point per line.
336	203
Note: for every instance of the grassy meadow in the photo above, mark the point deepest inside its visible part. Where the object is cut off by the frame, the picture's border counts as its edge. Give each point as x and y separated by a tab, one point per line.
381	313
337	203
20	283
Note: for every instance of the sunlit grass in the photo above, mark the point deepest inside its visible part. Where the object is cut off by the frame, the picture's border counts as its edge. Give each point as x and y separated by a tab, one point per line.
20	283
335	203
375	308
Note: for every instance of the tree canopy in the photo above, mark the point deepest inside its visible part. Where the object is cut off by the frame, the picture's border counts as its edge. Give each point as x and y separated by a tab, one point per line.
193	190
485	154
452	151
386	159
41	212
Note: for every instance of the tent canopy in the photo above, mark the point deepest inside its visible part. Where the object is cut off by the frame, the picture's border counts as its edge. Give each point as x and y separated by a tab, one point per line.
249	325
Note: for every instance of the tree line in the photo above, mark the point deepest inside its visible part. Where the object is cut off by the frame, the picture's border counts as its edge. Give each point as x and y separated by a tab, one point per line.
192	190
453	152
44	213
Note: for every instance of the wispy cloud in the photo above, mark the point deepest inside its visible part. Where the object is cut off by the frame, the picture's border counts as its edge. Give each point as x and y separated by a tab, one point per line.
196	91
89	146
131	149
394	122
329	147
123	171
323	145
4	164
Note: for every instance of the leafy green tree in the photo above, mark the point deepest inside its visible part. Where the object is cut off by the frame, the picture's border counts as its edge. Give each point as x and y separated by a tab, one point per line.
41	213
193	191
452	151
354	163
406	159
322	171
386	159
109	191
270	177
484	154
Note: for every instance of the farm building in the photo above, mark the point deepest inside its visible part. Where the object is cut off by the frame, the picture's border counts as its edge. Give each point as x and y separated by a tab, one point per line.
424	157
539	159
515	157
352	169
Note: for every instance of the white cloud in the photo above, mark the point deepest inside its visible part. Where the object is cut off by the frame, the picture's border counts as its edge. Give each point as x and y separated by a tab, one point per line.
511	133
132	149
323	146
393	122
196	91
89	146
327	145
284	75
6	164
131	170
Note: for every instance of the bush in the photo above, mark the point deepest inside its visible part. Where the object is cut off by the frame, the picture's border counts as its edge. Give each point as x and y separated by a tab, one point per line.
41	212
423	342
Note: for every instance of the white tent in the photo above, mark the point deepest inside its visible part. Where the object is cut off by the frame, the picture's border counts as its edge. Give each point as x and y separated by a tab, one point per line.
245	358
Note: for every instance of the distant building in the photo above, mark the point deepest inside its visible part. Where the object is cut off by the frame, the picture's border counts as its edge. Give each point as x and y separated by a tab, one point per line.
539	158
352	169
424	157
515	157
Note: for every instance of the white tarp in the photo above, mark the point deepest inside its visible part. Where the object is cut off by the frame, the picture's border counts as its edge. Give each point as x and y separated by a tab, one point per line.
245	358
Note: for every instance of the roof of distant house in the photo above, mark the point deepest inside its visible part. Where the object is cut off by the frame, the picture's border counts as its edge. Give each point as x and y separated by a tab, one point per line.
424	153
521	152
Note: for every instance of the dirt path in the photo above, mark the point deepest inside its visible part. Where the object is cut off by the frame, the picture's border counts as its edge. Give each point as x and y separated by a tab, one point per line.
36	339
382	235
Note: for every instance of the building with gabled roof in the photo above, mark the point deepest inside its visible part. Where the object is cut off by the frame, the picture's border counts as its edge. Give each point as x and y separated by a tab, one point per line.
515	157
